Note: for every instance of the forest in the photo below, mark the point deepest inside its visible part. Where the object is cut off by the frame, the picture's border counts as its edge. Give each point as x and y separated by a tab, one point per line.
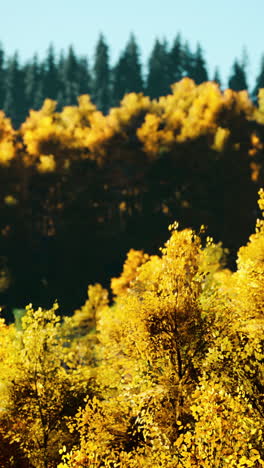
132	273
79	189
64	75
169	373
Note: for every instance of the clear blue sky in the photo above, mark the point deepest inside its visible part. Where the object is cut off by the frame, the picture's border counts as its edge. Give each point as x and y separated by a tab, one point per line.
223	28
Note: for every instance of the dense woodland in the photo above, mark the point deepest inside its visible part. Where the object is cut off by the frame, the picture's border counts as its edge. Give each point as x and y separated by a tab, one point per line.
162	364
64	76
79	188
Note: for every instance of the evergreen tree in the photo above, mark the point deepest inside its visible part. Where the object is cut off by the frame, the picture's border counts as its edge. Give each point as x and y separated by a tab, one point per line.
127	74
187	60
238	78
134	72
70	78
118	80
51	83
176	61
60	98
84	76
2	76
101	76
15	101
33	84
158	81
217	77
199	72
259	81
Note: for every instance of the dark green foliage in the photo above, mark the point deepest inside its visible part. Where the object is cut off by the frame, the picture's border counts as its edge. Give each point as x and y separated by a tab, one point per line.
176	60
217	77
158	79
84	76
199	72
127	74
259	80
238	78
101	76
33	84
75	79
187	60
14	101
2	76
51	84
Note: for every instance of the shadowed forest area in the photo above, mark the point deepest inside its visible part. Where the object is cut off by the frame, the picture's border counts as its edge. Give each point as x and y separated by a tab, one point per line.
80	188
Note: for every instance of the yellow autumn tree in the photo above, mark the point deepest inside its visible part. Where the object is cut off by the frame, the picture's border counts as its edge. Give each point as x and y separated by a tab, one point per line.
180	380
228	401
150	346
41	384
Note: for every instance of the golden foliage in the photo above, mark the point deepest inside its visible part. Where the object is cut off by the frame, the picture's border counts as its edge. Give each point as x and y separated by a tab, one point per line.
188	113
53	139
135	258
39	380
172	370
7	140
181	365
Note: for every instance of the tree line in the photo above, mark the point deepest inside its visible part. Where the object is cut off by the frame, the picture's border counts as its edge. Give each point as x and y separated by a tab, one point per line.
66	76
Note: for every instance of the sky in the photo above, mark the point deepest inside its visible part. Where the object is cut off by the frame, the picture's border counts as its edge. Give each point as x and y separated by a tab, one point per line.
223	28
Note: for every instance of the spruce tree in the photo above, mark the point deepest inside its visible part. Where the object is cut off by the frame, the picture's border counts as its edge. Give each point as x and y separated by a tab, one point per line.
84	76
175	67
60	98
199	72
259	81
33	84
134	72
187	60
238	79
216	77
127	74
51	83
70	78
118	80
158	81
14	101
2	76
101	76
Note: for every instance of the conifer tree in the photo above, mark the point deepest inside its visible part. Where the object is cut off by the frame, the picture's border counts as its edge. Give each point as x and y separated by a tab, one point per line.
14	101
176	60
158	82
127	74
70	78
2	76
188	60
238	79
260	80
101	76
51	78
217	77
134	73
84	78
33	84
60	95
199	72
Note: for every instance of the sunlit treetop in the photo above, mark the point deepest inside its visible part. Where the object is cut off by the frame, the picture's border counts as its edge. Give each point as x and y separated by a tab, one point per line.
193	111
7	140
